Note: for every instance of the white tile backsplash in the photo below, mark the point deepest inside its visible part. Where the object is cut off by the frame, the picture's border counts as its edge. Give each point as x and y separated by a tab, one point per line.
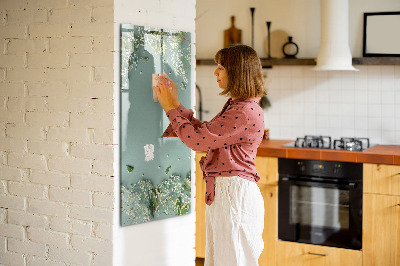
387	124
388	110
397	123
364	103
361	125
374	97
388	83
374	110
397	72
348	95
347	110
387	72
388	97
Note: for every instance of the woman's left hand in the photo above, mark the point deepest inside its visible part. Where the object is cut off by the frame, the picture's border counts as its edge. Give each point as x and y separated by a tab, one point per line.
164	96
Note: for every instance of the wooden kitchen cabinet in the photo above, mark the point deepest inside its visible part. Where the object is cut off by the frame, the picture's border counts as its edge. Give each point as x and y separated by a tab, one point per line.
381	215
381	230
381	179
200	209
298	254
267	167
270	233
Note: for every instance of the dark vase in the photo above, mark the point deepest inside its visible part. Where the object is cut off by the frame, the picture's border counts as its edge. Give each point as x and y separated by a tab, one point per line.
290	49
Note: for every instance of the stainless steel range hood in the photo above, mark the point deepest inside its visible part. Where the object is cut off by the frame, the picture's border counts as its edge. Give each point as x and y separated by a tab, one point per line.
334	52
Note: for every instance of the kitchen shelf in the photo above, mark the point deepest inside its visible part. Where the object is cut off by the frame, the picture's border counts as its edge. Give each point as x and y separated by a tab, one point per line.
312	61
376	61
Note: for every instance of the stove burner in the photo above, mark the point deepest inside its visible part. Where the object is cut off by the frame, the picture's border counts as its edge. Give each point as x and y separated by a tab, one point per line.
308	141
351	144
324	142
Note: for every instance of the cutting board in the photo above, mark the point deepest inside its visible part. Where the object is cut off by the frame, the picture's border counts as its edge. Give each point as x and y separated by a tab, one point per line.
232	35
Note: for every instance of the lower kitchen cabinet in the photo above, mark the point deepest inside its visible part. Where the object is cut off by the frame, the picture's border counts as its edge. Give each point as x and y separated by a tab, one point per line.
381	222
200	210
270	233
381	179
298	254
381	230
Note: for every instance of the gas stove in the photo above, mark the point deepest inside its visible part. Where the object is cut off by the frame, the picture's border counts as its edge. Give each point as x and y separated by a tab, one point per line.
325	142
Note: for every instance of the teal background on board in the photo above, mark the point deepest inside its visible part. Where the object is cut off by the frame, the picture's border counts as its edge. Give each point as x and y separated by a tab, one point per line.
145	51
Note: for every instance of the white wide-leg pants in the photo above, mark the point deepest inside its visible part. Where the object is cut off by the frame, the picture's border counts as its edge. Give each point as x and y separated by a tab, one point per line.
234	223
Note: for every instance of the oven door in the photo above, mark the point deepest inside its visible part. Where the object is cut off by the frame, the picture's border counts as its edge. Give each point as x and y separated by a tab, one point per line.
321	212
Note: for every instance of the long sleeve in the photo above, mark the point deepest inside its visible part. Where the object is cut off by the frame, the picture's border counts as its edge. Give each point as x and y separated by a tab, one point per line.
222	131
186	113
231	139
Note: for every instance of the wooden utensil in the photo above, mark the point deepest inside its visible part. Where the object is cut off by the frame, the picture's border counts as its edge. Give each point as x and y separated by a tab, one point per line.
232	35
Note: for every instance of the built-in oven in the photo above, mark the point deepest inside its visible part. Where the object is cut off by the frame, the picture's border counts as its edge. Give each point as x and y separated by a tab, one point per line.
320	202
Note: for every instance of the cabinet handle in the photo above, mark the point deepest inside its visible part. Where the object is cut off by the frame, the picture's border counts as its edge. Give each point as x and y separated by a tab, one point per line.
318	254
398	204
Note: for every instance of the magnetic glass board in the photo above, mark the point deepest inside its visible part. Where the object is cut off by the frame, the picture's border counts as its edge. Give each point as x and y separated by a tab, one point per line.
155	172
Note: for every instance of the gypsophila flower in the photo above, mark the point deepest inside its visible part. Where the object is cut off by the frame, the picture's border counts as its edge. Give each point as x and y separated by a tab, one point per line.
143	202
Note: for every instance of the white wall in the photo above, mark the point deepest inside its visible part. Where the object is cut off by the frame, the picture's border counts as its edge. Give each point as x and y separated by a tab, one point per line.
170	241
56	121
299	18
338	104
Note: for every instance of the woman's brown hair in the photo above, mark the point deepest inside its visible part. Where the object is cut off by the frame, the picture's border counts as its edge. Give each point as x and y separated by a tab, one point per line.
245	78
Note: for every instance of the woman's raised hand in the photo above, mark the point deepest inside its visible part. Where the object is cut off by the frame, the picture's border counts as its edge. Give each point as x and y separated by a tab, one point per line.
174	90
165	94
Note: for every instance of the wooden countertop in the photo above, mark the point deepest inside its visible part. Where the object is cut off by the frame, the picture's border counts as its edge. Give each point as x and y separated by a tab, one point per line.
379	154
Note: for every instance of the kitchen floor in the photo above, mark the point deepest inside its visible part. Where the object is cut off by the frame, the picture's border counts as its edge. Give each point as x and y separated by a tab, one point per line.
199	262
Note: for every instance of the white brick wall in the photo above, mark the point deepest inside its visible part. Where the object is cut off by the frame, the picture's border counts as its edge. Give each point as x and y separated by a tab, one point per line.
56	126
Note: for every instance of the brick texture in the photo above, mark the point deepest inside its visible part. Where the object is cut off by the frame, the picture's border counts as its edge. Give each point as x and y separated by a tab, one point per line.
103	231
56	124
28	219
71	226
27	247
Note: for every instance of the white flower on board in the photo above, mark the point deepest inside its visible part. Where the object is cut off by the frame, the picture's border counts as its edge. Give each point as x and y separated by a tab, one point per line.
149	152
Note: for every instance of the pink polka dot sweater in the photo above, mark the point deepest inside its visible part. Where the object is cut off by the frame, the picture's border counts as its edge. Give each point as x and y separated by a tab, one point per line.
231	139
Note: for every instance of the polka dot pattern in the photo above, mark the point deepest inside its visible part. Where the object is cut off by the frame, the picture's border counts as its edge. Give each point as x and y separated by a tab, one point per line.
231	139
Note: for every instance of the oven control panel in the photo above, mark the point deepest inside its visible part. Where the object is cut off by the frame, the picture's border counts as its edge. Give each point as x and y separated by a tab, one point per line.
330	169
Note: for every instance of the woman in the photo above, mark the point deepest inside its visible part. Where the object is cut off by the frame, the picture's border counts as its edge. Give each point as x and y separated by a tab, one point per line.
235	207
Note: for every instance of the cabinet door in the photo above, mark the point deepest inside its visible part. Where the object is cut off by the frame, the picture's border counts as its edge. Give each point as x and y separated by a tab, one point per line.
381	179
297	254
270	233
267	168
381	230
200	210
